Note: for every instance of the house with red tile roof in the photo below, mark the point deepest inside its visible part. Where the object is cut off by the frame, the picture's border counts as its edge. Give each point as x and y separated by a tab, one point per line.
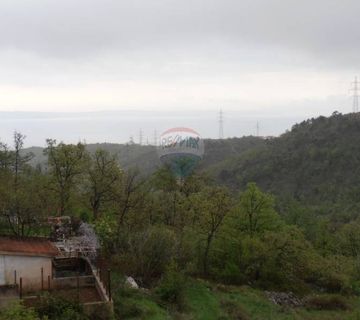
27	258
39	265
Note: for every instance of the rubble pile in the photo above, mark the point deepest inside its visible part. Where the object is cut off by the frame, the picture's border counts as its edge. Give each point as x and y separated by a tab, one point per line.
283	298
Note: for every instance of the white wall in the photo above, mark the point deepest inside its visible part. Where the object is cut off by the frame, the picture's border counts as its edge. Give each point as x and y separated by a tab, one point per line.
29	268
2	270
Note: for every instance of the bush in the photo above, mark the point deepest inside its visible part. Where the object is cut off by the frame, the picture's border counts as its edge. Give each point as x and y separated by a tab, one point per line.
85	216
231	274
355	288
57	308
326	302
172	286
18	311
332	274
145	254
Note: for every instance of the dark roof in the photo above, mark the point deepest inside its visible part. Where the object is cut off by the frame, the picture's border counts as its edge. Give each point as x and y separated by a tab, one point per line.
27	246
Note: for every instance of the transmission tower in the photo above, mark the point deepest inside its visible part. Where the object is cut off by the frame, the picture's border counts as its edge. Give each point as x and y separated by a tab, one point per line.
221	124
140	137
257	128
355	90
155	138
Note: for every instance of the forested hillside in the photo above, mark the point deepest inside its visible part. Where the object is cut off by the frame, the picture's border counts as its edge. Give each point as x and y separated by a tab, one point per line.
317	163
276	214
145	156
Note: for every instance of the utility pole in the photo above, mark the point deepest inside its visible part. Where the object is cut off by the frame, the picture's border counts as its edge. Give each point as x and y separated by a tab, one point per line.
355	90
221	124
257	128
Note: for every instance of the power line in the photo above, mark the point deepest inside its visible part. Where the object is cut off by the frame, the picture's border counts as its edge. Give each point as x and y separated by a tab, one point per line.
355	90
221	124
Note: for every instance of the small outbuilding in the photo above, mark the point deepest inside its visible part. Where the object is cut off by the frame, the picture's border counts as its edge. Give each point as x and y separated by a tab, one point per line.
26	258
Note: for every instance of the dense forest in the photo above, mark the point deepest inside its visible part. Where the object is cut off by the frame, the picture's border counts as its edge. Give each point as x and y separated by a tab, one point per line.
276	214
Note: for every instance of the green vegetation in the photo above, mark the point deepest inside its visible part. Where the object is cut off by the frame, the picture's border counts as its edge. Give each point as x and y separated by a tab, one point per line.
279	214
47	308
210	301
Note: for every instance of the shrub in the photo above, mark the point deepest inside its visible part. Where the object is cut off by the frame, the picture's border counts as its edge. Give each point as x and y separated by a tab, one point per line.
231	274
172	286
57	308
85	216
355	287
18	311
146	254
326	302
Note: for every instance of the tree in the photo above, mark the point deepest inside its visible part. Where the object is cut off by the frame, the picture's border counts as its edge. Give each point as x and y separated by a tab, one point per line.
256	211
66	163
18	200
5	156
103	174
211	205
128	195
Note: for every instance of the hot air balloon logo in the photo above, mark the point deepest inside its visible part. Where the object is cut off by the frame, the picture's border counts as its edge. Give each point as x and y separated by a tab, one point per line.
181	149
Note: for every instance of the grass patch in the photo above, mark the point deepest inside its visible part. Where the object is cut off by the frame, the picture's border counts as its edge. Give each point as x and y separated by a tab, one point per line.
136	304
205	301
202	303
142	308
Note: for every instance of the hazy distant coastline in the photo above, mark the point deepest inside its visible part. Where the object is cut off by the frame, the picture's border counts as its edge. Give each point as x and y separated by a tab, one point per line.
120	126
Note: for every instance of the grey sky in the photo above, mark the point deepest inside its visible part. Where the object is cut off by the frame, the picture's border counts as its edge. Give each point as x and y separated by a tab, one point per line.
268	56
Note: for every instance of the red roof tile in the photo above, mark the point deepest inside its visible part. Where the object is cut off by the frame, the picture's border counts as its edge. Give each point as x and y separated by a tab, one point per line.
27	246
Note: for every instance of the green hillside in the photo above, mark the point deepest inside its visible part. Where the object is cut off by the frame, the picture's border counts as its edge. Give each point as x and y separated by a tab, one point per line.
316	163
145	156
278	220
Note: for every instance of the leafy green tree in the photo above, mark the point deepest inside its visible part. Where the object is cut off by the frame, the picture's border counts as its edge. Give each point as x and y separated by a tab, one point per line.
106	229
256	211
19	204
211	206
66	163
103	174
6	156
128	196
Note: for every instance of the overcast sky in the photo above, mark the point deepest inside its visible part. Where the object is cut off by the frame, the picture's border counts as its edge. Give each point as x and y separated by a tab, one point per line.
273	56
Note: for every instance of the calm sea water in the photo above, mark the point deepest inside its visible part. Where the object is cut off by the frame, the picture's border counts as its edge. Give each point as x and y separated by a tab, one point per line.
118	127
